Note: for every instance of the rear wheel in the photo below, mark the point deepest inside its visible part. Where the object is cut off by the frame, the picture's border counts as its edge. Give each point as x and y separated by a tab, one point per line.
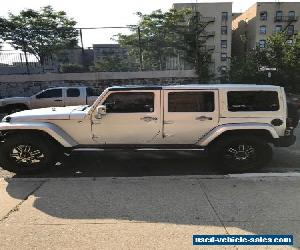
236	154
27	153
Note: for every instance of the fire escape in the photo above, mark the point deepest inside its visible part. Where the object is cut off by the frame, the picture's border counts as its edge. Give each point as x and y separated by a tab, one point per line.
286	21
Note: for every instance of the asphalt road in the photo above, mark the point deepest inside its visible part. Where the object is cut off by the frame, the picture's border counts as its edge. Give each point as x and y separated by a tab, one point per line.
156	163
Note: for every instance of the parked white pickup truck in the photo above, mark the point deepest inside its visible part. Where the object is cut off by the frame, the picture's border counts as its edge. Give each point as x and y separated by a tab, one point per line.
52	97
234	123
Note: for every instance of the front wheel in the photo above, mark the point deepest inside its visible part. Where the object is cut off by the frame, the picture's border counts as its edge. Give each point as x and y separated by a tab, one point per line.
236	154
26	154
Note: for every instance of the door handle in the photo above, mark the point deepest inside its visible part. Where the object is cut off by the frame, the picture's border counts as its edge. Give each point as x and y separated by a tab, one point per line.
149	118
58	100
203	118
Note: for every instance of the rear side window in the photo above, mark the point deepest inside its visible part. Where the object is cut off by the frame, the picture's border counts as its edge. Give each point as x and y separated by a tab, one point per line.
252	101
50	93
92	92
73	92
126	102
191	101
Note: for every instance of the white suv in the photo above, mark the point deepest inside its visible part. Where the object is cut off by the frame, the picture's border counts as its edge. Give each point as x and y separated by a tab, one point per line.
234	123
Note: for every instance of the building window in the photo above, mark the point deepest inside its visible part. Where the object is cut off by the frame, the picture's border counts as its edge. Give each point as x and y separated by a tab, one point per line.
224	16
291	15
289	41
279	15
191	102
263	15
262	43
278	28
290	30
223	44
263	30
223	69
224	30
223	57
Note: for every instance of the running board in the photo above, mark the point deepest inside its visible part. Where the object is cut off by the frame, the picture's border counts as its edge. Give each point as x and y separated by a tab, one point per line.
139	149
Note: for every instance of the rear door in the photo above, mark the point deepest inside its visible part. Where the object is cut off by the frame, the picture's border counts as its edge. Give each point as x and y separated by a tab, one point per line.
75	96
189	115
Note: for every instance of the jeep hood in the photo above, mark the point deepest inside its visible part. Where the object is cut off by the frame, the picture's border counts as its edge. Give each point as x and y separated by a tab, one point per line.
57	113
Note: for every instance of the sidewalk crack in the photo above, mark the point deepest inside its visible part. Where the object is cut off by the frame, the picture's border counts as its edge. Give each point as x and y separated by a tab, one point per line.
17	207
212	207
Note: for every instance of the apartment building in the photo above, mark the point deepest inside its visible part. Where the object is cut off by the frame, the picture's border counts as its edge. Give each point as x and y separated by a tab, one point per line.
218	31
261	20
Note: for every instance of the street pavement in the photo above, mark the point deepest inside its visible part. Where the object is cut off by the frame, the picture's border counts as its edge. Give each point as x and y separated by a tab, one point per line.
144	212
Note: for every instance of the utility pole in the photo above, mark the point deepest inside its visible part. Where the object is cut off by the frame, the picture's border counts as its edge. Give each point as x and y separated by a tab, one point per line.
140	50
25	53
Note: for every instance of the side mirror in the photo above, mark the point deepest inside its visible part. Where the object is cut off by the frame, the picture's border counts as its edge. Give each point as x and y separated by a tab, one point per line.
100	111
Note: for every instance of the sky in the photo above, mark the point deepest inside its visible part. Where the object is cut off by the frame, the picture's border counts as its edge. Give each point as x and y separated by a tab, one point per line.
99	13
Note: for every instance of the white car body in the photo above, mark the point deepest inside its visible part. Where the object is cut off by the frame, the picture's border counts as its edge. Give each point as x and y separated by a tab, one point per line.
83	126
45	99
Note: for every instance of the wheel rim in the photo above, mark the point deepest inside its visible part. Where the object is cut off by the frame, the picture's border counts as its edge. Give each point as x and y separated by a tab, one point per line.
26	155
240	153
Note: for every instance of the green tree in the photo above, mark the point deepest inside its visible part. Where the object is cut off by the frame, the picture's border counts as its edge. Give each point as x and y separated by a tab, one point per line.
164	35
41	33
282	52
3	29
115	64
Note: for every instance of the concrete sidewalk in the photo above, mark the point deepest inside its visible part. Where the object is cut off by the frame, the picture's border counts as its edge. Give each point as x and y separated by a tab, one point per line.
144	212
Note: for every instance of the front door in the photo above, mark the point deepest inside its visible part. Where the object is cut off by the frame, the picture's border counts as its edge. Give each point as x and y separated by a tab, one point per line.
132	117
189	115
48	98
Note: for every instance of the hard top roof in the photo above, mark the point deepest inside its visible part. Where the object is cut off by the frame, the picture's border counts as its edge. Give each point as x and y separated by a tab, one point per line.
194	86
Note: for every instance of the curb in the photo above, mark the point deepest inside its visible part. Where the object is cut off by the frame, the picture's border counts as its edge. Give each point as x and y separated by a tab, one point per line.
177	177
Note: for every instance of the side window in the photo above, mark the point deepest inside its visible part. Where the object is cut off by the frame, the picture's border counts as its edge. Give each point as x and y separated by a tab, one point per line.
191	102
263	15
263	29
262	44
126	102
73	92
252	101
92	92
224	30
50	93
291	16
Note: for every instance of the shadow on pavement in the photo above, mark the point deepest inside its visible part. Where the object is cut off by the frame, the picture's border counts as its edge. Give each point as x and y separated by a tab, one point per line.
243	206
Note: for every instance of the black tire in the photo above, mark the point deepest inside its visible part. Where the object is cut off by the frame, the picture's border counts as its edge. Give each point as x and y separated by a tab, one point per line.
27	153
16	108
293	114
238	154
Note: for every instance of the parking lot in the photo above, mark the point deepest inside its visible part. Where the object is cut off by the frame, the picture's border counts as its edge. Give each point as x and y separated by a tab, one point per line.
156	163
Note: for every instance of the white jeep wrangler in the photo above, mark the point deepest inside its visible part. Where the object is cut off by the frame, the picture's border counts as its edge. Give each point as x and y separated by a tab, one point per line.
234	123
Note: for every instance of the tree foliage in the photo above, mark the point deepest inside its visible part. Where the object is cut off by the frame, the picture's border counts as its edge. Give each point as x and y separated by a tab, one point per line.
115	64
279	54
164	35
40	32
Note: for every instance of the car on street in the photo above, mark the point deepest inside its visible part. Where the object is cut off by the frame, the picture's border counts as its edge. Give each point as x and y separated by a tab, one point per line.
52	97
234	124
